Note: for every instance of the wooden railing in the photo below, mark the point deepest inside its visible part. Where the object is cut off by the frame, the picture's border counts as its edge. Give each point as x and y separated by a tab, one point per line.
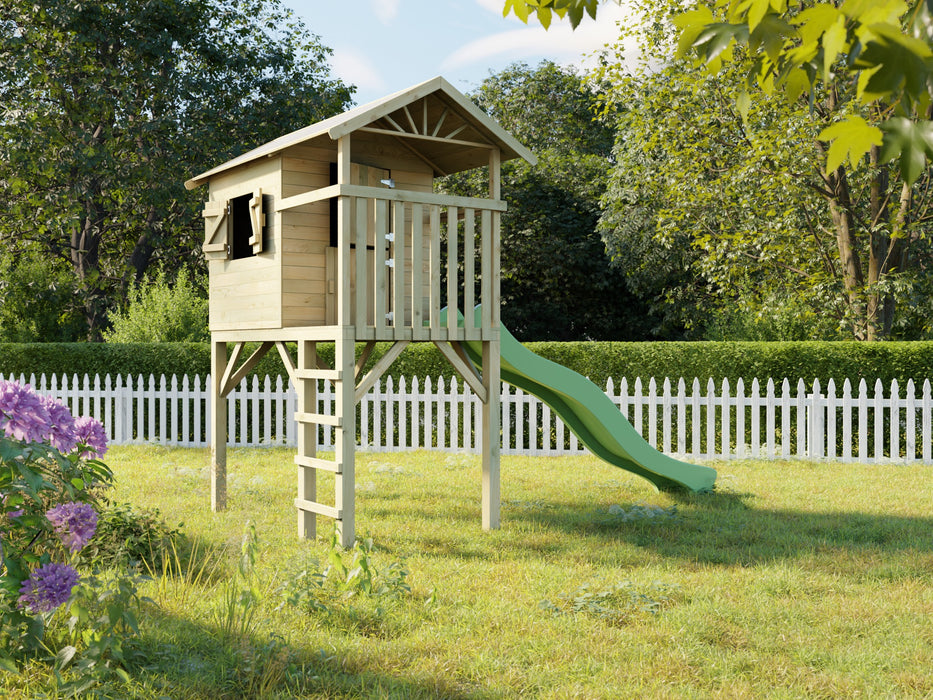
422	249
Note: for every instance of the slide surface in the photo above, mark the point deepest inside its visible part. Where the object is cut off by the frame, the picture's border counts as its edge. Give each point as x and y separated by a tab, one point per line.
592	416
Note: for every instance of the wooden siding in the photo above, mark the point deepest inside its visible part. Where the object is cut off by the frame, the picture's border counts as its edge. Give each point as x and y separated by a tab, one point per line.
246	293
305	237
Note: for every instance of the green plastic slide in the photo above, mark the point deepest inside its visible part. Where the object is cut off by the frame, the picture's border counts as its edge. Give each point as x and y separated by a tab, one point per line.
592	416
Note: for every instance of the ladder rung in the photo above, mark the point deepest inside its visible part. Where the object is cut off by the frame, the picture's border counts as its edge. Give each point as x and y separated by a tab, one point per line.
319	508
331	374
319	419
317	463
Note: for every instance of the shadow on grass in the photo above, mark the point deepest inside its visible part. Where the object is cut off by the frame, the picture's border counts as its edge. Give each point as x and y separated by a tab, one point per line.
722	528
189	659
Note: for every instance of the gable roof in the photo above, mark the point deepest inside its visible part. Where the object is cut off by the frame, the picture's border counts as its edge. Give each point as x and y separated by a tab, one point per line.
443	110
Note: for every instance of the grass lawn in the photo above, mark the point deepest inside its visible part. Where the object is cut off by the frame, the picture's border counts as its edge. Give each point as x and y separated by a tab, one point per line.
793	579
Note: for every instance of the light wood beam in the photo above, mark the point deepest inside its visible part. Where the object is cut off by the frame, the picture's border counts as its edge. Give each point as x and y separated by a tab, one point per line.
464	368
379	368
232	379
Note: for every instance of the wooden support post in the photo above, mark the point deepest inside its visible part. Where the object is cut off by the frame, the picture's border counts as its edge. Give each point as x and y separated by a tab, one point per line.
491	437
307	439
345	436
218	428
492	360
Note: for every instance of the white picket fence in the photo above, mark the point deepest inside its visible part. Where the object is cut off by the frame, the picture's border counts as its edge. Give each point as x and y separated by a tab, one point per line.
718	422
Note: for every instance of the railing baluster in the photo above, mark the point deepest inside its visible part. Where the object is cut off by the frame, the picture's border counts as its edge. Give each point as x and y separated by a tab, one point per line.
452	277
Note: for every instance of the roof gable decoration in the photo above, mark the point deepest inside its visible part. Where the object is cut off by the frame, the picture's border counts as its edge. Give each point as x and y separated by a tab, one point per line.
434	120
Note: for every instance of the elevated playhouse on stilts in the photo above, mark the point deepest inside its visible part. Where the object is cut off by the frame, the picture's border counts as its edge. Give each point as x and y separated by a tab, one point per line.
333	233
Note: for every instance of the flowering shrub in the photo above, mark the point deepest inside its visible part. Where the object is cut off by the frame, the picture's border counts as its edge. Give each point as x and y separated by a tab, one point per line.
51	482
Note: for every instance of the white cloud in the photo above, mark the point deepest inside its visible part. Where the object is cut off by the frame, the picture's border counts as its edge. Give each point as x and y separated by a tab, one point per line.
355	68
385	10
560	43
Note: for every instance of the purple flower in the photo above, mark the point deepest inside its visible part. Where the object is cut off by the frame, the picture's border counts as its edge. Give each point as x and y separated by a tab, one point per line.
62	434
75	524
91	435
47	587
22	413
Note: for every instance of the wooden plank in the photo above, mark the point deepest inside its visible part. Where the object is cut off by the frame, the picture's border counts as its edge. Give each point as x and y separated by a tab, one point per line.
491	498
440	120
395	195
452	269
398	271
379	369
487	296
218	430
318	419
362	277
410	120
317	508
464	369
431	138
343	233
435	270
288	362
345	438
297	333
317	463
231	379
495	187
362	359
379	291
314	373
417	273
469	267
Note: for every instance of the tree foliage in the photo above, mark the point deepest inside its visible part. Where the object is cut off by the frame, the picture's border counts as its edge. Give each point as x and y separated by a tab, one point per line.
884	48
779	239
109	106
557	282
38	301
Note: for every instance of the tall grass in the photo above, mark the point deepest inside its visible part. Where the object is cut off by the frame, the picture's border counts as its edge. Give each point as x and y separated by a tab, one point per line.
793	579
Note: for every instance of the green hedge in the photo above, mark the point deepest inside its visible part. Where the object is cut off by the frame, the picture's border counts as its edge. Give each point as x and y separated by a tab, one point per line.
597	360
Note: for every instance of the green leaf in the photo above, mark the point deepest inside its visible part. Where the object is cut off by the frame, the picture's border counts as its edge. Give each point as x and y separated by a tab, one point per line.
895	61
912	141
743	102
756	12
795	84
7	664
691	25
813	22
64	657
834	43
849	140
717	37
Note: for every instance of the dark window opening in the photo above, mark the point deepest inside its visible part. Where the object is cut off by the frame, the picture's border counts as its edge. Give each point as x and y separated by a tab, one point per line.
242	227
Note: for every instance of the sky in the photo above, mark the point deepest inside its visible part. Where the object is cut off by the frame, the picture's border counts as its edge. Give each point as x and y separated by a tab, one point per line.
383	46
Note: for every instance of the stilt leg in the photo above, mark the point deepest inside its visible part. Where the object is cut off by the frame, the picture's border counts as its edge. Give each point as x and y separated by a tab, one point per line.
218	428
491	435
345	436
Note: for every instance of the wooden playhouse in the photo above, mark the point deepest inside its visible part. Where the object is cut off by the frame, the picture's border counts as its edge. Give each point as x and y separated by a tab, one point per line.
334	233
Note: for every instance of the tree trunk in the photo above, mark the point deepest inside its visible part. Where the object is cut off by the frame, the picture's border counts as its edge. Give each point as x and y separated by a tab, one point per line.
853	278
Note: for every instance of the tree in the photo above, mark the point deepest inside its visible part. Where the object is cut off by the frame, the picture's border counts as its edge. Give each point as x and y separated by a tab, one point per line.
884	48
38	300
557	283
109	106
747	183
